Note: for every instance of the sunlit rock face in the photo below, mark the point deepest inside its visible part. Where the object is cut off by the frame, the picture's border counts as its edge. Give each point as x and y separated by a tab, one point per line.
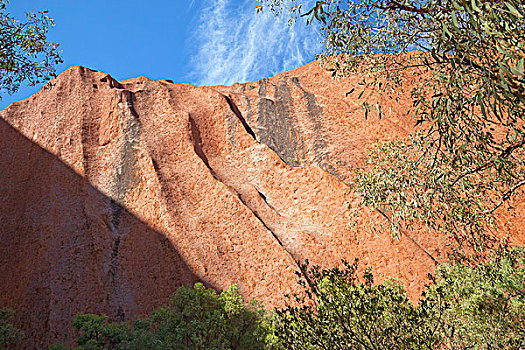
113	194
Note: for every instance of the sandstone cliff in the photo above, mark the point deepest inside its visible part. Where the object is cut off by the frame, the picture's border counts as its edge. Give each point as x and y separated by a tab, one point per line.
113	194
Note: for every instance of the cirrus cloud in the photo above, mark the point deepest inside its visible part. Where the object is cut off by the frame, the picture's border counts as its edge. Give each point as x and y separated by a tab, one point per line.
232	43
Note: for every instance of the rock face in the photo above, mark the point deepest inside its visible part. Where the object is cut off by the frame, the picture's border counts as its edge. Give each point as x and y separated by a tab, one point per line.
113	194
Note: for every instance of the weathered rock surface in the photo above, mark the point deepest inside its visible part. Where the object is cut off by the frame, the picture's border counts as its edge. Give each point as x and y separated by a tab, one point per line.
113	194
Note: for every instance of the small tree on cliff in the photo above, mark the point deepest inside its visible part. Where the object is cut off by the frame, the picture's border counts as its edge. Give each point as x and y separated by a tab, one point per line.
25	52
465	61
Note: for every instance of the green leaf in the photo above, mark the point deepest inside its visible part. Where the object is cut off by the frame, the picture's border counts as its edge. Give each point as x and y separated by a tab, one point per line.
454	20
446	33
513	10
475	6
482	106
519	67
502	51
456	5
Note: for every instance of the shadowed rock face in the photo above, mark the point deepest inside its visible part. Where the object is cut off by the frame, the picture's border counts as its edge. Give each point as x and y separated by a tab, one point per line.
113	194
66	247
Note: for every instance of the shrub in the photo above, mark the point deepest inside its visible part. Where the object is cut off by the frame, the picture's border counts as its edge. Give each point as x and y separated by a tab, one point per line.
339	311
465	307
196	318
485	303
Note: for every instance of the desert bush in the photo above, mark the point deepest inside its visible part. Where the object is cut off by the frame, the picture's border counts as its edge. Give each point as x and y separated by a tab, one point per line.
341	311
463	307
196	318
485	304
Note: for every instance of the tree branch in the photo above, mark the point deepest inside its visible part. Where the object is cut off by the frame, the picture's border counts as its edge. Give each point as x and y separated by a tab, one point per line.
504	154
506	196
394	5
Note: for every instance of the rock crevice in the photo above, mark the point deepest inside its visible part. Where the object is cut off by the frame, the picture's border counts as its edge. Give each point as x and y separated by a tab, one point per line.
239	115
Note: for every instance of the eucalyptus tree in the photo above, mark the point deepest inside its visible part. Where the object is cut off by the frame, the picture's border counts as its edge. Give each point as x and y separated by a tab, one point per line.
342	310
466	307
464	63
26	54
196	318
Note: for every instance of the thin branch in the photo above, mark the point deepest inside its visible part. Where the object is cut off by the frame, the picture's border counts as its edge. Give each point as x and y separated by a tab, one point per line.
504	154
506	196
394	5
472	171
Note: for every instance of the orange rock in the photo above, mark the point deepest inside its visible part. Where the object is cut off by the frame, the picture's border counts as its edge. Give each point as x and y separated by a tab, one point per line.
116	193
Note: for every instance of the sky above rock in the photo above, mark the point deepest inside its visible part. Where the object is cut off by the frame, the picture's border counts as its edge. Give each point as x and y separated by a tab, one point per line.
202	42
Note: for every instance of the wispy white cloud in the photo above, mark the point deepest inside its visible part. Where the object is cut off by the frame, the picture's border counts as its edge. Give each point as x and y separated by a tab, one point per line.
232	43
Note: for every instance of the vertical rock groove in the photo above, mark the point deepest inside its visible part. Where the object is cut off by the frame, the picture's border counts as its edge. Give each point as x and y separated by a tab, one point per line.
321	156
239	115
276	130
125	178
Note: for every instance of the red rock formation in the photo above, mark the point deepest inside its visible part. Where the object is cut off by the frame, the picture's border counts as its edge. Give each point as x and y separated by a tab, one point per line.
116	193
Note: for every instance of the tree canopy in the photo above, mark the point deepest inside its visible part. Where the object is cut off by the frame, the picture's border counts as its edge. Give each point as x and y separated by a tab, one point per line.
25	52
480	307
196	318
465	61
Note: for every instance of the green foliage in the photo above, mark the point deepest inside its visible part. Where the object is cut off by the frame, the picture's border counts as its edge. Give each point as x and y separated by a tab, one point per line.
341	312
465	307
9	334
25	52
196	318
463	60
97	333
485	304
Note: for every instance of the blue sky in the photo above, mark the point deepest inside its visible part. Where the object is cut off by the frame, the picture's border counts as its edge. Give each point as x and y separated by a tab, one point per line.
203	42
